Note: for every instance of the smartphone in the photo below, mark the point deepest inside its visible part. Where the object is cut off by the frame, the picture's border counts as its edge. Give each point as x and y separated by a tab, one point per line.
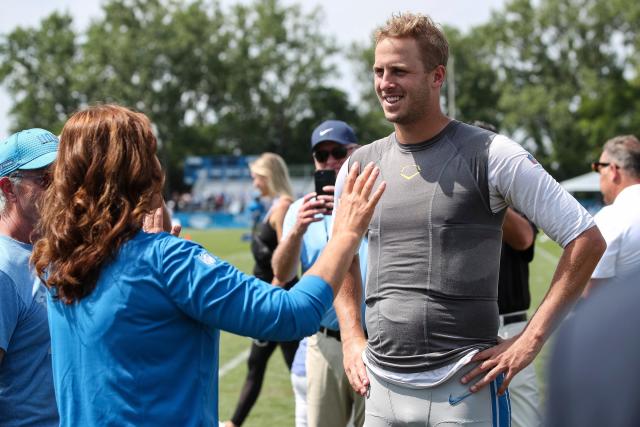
323	178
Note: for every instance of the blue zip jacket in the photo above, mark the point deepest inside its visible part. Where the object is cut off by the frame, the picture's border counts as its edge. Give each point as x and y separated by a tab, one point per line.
142	349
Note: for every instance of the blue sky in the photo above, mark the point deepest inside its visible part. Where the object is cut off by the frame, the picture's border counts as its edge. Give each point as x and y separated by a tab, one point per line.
346	20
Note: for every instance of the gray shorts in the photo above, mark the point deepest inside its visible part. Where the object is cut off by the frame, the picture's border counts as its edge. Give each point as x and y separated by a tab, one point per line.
448	404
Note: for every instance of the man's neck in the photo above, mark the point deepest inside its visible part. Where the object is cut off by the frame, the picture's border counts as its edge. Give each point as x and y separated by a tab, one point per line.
15	230
415	133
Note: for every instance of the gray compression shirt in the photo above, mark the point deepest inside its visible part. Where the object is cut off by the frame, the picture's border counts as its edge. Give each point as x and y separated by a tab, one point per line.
434	250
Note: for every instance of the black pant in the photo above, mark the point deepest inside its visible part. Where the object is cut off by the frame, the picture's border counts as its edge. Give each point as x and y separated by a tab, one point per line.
260	353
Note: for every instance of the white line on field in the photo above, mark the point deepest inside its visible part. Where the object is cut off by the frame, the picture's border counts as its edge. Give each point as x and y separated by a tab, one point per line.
224	369
547	255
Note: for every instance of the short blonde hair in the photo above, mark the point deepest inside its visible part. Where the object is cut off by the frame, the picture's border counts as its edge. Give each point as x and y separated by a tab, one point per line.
429	36
274	169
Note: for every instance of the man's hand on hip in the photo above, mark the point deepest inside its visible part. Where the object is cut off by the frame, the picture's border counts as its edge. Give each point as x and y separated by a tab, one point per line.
354	366
509	357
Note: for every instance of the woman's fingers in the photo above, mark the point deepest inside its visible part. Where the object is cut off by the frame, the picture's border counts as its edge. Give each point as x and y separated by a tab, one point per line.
152	221
175	230
362	178
370	182
351	178
373	200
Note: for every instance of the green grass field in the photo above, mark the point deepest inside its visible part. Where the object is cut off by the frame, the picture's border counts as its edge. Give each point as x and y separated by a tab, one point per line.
275	404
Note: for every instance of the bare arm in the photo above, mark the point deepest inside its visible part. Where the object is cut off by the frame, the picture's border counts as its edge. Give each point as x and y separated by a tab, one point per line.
276	220
284	261
347	305
516	231
578	261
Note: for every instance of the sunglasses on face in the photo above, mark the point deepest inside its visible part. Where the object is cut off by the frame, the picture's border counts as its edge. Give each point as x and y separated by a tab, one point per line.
338	153
43	179
596	166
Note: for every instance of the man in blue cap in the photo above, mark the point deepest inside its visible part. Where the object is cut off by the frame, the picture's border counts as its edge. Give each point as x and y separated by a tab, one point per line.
330	399
26	388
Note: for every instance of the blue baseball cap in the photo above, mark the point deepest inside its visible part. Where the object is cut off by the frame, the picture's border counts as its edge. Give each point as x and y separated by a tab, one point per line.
27	149
333	130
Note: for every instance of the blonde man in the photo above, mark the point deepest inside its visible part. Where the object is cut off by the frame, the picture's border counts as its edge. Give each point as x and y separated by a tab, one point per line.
432	356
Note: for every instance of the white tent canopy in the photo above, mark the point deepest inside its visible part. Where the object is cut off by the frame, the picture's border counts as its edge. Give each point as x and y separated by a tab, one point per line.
588	182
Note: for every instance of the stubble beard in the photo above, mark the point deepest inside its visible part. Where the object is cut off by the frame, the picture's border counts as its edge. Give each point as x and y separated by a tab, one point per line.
416	111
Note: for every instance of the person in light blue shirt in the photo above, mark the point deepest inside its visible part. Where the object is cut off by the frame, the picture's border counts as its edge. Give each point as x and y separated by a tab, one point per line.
135	313
26	381
330	401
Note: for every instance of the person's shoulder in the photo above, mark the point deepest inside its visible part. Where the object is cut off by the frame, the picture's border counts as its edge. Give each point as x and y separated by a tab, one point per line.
469	140
12	252
503	148
14	264
604	212
385	140
466	133
372	150
381	144
608	217
282	203
280	207
618	217
156	244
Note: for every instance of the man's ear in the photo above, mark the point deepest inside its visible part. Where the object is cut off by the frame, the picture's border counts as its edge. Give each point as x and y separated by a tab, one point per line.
6	186
616	174
438	76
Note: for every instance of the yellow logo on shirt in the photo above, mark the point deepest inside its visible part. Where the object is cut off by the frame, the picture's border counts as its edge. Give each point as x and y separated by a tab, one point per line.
410	171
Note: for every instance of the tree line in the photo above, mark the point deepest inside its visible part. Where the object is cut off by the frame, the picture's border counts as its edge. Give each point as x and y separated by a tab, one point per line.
560	76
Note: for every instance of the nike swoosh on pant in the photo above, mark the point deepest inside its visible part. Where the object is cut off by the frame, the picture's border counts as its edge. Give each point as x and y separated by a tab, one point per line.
455	400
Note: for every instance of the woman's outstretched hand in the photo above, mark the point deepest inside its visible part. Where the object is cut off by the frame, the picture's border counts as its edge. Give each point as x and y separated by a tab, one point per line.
357	204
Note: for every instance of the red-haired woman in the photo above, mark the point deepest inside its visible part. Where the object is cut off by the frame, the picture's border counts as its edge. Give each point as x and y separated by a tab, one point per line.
135	317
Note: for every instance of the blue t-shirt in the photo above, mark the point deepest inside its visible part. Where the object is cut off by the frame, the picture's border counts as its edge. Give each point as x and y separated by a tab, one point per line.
142	348
313	243
26	381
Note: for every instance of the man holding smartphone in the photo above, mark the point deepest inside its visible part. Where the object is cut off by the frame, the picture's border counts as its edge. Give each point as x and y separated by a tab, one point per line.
330	399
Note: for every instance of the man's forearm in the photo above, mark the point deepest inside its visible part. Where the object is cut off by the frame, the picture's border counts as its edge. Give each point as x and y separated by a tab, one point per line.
348	304
286	257
575	267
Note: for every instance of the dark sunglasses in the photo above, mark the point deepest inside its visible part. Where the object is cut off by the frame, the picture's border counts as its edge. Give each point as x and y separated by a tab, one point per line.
43	179
596	166
338	153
